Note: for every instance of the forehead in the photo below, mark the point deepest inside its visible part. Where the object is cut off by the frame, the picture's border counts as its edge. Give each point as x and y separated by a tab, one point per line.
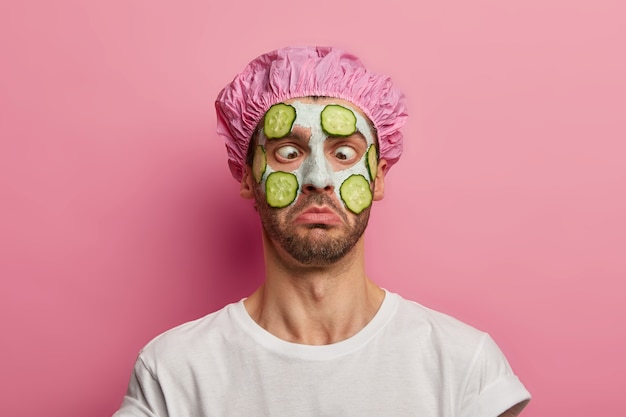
321	101
330	100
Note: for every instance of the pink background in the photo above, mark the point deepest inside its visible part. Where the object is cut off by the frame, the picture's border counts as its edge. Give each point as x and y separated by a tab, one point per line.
119	218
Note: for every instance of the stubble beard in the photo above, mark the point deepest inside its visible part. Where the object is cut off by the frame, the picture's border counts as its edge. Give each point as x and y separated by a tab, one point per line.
311	249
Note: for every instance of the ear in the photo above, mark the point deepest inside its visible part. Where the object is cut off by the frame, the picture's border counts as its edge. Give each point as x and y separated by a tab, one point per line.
379	182
247	184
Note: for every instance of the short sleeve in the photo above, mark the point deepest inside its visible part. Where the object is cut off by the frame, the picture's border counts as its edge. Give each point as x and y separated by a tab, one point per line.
144	397
492	387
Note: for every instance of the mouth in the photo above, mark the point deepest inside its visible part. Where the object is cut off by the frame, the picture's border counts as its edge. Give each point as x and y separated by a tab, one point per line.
318	215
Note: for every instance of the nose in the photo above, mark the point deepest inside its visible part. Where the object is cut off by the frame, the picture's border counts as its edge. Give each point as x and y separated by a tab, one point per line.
317	175
311	189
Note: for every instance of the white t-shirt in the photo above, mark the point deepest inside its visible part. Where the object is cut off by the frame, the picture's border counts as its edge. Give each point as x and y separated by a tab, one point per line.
407	361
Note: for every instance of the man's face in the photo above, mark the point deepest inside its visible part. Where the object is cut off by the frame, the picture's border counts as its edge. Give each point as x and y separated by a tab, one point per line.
313	188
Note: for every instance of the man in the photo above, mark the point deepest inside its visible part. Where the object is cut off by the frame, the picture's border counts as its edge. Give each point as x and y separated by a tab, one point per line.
310	134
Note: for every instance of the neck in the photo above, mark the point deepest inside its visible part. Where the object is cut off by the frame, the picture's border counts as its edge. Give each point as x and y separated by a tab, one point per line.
314	305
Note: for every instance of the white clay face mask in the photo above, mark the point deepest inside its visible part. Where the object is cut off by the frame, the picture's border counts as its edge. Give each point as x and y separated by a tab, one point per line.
351	184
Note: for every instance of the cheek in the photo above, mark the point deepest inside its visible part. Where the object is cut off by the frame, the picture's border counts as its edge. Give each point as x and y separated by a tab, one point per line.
281	189
278	188
355	188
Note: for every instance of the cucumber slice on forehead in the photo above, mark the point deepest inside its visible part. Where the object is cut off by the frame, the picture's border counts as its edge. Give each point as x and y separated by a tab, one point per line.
356	193
281	189
372	162
259	163
279	120
338	120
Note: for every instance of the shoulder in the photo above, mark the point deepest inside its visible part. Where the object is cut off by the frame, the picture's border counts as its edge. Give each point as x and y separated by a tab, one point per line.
444	341
488	383
436	326
194	338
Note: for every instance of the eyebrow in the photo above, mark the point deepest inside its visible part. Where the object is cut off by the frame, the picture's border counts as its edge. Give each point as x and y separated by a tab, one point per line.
357	133
298	136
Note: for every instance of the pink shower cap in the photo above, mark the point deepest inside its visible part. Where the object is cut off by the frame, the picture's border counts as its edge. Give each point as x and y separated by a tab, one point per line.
294	72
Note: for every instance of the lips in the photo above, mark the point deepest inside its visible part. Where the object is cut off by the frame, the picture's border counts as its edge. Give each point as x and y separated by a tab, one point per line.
318	215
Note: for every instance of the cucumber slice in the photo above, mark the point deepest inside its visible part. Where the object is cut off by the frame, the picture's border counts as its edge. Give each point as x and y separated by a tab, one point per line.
338	120
355	193
371	162
279	120
281	189
259	163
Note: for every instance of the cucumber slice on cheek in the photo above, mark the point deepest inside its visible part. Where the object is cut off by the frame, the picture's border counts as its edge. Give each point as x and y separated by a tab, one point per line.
372	162
281	189
338	120
279	120
356	193
259	163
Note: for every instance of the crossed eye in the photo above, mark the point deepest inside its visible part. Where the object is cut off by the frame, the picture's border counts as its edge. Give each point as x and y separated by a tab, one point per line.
288	152
345	153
